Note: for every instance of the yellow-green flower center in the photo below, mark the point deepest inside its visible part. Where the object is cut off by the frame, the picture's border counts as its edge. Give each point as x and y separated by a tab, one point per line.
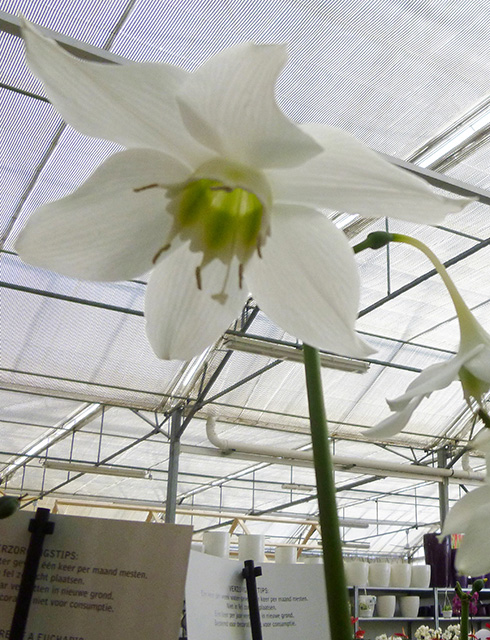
473	387
220	221
222	212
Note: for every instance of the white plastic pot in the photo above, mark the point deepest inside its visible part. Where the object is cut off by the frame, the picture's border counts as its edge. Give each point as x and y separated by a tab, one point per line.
379	574
216	543
251	547
420	576
356	573
385	606
366	606
409	606
285	555
400	575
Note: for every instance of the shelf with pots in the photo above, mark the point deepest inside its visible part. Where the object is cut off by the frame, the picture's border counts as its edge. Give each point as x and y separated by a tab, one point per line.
479	609
387	574
397	619
393	603
390	593
385	606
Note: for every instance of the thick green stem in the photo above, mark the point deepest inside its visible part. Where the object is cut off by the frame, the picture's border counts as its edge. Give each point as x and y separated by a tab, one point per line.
337	595
464	618
379	239
468	324
460	305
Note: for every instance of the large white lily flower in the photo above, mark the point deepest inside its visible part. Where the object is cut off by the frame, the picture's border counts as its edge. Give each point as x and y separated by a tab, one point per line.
471	516
470	365
219	192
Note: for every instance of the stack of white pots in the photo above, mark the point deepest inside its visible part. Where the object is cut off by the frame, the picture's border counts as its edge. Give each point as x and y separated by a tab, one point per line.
356	573
400	575
379	576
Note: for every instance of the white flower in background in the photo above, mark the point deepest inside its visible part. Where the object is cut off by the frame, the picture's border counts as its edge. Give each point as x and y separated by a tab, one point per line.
470	365
452	632
471	516
219	193
424	633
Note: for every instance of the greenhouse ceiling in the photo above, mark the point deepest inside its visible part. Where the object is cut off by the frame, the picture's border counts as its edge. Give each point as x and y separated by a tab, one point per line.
79	383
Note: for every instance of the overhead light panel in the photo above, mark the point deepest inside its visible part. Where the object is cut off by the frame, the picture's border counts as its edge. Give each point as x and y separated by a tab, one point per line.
291	351
356	545
105	470
303	488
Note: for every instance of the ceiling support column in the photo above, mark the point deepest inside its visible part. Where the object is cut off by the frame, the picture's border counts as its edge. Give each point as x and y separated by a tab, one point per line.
173	467
442	458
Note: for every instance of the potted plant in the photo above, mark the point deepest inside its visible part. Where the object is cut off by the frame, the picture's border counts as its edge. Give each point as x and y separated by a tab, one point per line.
447	607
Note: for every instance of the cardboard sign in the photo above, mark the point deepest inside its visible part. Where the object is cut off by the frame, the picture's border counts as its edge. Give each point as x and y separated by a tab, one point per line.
97	579
291	598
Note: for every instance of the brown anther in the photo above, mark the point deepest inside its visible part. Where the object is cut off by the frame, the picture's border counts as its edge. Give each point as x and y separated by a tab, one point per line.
148	186
198	278
221	188
259	252
165	247
240	275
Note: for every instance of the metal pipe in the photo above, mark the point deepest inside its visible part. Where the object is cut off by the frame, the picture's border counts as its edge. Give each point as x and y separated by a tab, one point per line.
344	463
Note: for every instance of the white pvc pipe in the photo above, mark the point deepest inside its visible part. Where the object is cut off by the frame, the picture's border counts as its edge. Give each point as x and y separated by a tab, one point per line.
343	463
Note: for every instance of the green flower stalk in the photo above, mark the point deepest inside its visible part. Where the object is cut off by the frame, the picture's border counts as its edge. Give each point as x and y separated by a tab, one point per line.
337	596
465	598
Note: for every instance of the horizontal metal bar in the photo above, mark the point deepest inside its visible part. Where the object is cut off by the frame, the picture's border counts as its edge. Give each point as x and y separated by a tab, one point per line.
11	24
22	92
66	298
429	274
440	180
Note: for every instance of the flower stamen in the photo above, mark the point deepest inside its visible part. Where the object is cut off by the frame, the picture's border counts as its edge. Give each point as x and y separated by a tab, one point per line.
222	188
222	296
165	247
198	278
155	185
240	275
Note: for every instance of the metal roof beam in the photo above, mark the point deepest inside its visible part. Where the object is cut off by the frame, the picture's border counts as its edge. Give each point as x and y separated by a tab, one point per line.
12	25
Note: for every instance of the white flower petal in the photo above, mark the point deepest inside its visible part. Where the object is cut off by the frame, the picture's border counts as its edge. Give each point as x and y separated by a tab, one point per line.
229	105
473	557
181	320
132	104
469	506
481	442
437	376
307	281
479	364
105	230
395	423
350	177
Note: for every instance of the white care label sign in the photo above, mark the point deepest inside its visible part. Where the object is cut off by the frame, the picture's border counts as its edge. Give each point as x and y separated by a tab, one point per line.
97	579
291	598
